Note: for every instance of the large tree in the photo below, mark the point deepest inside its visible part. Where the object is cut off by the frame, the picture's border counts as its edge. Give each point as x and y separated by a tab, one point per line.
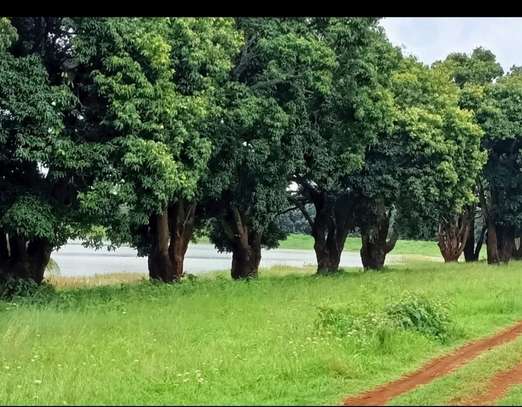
336	128
38	211
423	170
283	64
151	84
500	115
473	73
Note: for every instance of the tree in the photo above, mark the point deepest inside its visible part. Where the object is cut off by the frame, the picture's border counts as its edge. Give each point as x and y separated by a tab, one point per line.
281	66
337	127
423	170
151	84
499	114
37	207
478	68
472	73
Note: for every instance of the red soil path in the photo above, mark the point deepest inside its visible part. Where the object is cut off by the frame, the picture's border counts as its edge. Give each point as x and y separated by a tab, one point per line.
434	369
496	388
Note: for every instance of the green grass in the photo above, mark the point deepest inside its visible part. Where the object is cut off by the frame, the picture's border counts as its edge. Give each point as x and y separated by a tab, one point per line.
353	244
215	341
467	382
298	241
512	398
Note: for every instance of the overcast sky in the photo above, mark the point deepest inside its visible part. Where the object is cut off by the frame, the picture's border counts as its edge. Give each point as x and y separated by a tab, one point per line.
431	38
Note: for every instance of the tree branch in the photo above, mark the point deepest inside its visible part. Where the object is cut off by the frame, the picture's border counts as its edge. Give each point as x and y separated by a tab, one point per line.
304	212
287	210
245	57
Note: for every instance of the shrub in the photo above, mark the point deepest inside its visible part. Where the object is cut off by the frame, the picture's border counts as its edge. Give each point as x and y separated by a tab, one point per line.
416	312
343	321
11	288
410	312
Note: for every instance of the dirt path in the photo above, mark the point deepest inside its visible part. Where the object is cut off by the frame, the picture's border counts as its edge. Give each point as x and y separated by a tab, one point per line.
496	388
434	369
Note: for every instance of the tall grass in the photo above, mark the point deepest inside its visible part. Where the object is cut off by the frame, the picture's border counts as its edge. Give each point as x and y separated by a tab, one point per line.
215	341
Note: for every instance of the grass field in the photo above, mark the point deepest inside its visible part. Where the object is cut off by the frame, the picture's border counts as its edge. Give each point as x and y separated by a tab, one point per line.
467	381
353	244
215	341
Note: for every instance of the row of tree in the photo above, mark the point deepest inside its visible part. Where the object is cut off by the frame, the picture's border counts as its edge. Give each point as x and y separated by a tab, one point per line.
147	131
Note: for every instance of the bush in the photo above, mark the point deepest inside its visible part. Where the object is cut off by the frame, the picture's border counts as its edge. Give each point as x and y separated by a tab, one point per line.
11	288
343	321
411	312
416	312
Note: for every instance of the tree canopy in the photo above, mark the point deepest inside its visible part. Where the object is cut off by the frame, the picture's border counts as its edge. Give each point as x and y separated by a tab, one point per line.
145	131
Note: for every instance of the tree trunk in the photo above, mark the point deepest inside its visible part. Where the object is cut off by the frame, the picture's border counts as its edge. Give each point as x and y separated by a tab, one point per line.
333	220
328	253
376	243
506	242
246	245
452	237
23	259
469	247
160	265
181	225
329	240
492	244
517	249
245	260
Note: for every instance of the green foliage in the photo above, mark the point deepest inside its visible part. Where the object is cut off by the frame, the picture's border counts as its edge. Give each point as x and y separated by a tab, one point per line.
7	34
16	289
434	152
31	217
338	125
480	67
257	139
498	111
294	222
343	322
416	312
157	82
32	138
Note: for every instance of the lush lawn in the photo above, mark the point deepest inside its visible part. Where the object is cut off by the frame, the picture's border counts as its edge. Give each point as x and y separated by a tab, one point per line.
353	244
214	341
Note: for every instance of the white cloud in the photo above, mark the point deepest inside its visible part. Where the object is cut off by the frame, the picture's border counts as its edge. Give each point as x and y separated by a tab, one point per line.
433	38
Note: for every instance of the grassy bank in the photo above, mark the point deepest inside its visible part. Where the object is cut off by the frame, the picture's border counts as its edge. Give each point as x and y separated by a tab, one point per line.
298	241
353	244
214	341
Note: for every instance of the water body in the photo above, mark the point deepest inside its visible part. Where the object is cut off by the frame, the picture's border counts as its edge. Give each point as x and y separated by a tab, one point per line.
76	260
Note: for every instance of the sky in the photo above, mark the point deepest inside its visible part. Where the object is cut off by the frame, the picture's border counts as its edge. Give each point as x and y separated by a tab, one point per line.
433	38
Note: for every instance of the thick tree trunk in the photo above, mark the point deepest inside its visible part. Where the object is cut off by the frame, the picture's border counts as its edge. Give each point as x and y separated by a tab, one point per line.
452	237
506	242
22	259
246	245
245	260
181	224
333	220
469	247
160	265
329	238
376	242
328	250
492	244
